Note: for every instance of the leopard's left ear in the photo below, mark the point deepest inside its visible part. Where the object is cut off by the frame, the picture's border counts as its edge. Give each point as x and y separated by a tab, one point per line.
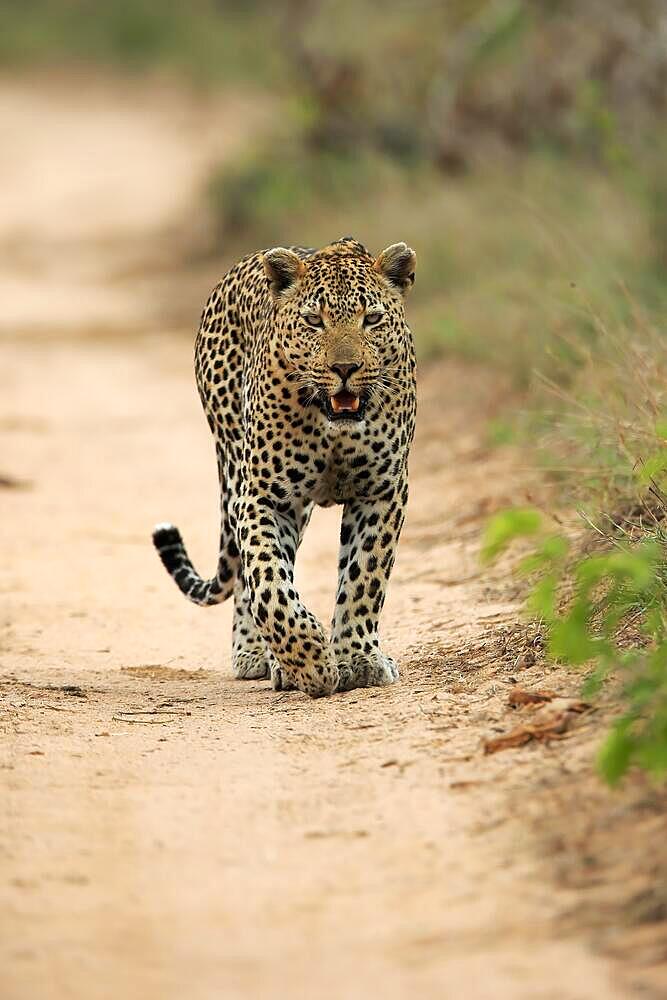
397	264
283	269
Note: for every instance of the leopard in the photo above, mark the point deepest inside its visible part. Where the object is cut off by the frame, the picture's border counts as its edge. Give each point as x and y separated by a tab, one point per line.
305	366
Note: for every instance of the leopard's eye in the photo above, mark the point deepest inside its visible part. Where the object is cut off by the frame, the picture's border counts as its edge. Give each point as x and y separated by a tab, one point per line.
313	319
373	318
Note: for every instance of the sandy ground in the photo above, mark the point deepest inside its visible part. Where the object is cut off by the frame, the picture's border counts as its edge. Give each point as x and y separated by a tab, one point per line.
167	832
240	842
100	184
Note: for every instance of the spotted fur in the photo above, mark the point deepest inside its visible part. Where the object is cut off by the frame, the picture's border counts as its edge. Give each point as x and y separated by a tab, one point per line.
306	371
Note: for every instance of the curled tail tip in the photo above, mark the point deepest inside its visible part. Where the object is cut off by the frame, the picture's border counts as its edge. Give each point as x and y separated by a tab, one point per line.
166	534
169	544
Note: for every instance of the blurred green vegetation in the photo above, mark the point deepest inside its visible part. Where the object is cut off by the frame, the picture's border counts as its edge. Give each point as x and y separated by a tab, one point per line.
513	265
518	145
203	41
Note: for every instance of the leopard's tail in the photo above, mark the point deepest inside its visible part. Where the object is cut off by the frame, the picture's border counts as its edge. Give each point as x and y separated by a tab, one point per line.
167	540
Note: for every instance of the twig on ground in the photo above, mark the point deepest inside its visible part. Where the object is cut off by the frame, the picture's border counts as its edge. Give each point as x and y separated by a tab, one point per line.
130	714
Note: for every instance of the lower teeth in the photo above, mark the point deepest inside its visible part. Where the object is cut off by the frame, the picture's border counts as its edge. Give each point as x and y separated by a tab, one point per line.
339	407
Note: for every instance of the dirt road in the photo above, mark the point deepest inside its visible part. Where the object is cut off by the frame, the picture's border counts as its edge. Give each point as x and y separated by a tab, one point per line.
239	842
167	832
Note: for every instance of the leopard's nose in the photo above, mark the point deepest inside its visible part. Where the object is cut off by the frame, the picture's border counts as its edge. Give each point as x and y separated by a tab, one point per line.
344	371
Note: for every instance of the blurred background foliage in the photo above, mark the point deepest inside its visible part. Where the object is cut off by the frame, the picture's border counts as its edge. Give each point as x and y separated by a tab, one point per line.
518	145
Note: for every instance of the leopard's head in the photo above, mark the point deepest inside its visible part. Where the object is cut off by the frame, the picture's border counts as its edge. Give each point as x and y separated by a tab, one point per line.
339	322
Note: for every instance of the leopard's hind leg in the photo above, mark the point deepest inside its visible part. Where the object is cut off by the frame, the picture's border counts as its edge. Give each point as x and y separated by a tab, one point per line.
251	657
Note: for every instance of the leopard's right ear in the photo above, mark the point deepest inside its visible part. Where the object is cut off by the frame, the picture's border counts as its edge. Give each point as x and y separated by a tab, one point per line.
283	269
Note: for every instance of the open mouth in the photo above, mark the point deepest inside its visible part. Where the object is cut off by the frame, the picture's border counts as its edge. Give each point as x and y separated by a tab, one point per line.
345	406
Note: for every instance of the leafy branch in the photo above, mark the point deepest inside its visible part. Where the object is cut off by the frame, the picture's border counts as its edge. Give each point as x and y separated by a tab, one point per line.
607	594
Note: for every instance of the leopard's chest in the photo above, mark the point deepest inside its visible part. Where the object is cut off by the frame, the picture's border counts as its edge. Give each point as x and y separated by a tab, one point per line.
337	484
346	464
301	454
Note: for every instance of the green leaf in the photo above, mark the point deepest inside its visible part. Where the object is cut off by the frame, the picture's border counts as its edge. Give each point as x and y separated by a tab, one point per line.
552	550
507	525
542	600
570	639
615	754
652	751
635	568
593	683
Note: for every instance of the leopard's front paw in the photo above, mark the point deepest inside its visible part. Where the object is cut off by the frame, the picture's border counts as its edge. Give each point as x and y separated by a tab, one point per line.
316	680
281	679
252	666
366	670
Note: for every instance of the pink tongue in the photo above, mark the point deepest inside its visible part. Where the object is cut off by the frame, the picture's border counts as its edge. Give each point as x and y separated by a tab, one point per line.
345	401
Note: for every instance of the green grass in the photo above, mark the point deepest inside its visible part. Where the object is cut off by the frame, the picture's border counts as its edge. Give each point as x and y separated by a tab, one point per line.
200	41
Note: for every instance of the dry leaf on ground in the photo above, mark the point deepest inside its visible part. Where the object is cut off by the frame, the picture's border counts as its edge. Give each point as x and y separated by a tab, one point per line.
551	727
518	696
